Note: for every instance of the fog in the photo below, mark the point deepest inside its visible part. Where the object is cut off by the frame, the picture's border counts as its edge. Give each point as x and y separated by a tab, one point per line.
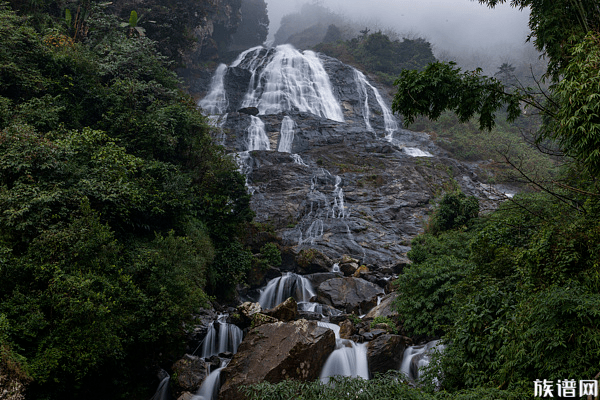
454	27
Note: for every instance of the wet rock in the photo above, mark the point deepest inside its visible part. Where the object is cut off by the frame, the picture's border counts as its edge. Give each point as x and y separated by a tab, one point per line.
346	329
188	373
275	352
249	110
372	334
354	295
320	277
286	311
348	269
311	261
244	314
385	352
309	315
259	319
385	308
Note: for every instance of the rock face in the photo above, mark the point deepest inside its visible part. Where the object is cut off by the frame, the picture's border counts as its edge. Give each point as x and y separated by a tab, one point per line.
354	295
278	351
286	311
385	352
385	308
337	174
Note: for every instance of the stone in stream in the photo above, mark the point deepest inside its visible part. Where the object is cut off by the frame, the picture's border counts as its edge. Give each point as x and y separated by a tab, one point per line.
385	352
354	295
286	311
275	352
385	308
188	373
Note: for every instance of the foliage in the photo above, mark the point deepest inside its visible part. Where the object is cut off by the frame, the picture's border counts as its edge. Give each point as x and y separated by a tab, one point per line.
380	55
380	387
518	300
443	86
577	96
387	321
118	211
454	210
270	255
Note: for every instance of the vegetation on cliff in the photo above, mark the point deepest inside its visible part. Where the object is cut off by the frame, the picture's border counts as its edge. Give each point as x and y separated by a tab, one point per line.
118	212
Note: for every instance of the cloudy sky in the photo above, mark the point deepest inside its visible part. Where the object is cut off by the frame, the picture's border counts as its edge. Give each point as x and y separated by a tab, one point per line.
451	25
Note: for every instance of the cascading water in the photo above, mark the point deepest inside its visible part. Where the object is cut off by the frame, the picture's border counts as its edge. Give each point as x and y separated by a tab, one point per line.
338	210
162	393
348	359
290	80
391	125
417	357
414	152
211	385
286	135
215	103
287	285
221	337
257	137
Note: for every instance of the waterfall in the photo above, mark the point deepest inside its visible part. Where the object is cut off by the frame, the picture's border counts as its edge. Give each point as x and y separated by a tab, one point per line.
257	137
162	393
391	125
298	160
215	103
211	385
287	285
417	357
414	152
338	199
314	232
335	328
361	86
289	80
287	135
221	337
348	359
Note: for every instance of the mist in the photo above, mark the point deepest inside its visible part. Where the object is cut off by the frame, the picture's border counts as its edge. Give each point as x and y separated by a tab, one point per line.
458	29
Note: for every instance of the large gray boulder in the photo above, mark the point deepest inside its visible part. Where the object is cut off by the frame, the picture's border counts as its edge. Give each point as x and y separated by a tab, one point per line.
385	353
188	373
385	308
275	352
354	295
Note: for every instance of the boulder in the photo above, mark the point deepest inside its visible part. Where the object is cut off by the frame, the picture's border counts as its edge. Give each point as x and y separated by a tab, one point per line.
249	110
259	319
244	314
311	261
354	295
348	269
385	308
275	352
286	311
385	352
320	277
346	329
188	373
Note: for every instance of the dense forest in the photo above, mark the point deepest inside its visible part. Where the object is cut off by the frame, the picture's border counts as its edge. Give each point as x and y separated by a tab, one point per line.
119	214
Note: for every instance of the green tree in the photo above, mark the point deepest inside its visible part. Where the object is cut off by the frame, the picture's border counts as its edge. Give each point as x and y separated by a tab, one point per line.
565	32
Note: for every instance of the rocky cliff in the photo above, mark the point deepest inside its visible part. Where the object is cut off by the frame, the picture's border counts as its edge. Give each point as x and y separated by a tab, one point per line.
328	164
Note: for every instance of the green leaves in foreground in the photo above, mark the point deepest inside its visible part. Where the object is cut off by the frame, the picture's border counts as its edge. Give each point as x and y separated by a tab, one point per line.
381	387
443	86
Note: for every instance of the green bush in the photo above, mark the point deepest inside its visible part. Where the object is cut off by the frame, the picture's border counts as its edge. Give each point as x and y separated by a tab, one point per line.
387	321
454	210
